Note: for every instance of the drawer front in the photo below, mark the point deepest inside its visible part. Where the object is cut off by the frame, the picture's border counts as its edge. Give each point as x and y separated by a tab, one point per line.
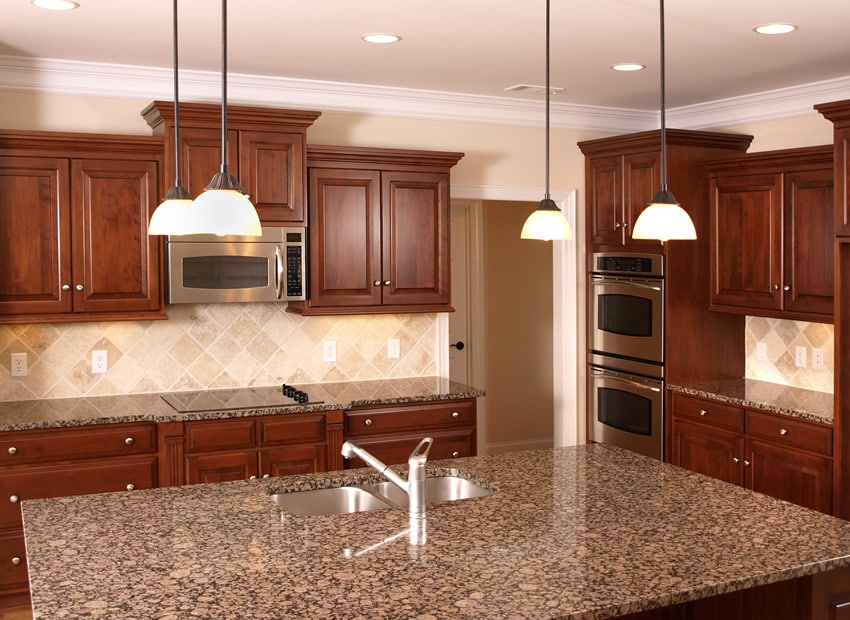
17	447
396	450
13	560
292	429
721	415
417	418
786	431
227	434
71	478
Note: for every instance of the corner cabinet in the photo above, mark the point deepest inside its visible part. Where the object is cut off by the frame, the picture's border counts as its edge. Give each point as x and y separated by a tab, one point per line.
379	231
266	152
772	234
75	217
777	455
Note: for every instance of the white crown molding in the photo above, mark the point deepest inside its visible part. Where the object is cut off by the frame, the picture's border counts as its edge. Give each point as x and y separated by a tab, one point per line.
123	81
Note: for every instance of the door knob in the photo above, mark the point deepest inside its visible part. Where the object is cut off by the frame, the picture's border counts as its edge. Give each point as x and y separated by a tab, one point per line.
458	345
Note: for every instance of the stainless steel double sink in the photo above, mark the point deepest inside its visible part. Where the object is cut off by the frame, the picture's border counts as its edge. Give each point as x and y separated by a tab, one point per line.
375	496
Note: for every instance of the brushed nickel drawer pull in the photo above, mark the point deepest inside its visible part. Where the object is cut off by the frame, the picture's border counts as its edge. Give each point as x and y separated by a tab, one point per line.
455	454
14	499
703	412
129	441
455	414
131	487
16	561
368	422
13	450
783	431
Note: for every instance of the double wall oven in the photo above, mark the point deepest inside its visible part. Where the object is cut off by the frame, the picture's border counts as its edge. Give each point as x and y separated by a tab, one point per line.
626	341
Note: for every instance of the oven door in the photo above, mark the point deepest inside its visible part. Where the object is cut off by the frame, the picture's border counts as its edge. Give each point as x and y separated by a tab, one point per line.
627	317
627	411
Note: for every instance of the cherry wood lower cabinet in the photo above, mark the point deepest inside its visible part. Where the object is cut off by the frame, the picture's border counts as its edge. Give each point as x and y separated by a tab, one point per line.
260	446
392	432
58	462
776	455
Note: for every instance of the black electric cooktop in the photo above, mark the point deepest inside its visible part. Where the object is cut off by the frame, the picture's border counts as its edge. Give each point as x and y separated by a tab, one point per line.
237	398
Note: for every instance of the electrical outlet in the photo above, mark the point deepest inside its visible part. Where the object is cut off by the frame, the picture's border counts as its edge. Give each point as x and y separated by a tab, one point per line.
393	348
329	351
761	352
800	357
98	362
19	364
817	359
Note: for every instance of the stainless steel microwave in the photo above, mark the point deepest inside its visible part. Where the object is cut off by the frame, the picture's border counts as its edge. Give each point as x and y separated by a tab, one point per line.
214	269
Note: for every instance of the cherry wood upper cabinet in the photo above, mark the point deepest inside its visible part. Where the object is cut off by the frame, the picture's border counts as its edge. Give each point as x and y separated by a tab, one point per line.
772	232
266	151
379	231
75	217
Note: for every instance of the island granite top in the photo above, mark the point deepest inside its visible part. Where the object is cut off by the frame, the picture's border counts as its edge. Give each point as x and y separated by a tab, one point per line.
773	397
46	413
586	532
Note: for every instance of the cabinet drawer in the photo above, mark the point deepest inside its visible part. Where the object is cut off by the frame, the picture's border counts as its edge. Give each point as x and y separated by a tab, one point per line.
18	447
71	478
789	432
396	450
226	434
711	412
421	417
13	560
293	428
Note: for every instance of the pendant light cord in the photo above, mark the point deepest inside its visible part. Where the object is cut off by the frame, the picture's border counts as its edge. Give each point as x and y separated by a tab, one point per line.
224	86
663	110
547	196
176	107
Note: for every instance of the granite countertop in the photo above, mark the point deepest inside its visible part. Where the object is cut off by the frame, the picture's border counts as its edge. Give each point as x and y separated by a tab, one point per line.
29	414
773	397
586	532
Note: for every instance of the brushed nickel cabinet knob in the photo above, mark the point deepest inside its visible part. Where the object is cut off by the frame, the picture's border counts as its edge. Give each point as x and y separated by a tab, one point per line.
703	412
80	287
13	450
14	499
368	421
455	454
455	414
66	287
131	487
16	561
783	431
129	441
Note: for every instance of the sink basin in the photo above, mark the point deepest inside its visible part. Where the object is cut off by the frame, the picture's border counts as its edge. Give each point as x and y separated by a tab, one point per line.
339	500
437	489
374	496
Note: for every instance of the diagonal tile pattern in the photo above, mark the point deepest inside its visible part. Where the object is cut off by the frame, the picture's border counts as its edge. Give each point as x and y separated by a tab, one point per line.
212	346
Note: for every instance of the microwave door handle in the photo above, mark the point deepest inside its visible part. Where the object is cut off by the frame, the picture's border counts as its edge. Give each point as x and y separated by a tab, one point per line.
628	382
278	272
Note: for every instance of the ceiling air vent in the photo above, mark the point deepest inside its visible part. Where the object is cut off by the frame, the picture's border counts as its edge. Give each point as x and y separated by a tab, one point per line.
532	89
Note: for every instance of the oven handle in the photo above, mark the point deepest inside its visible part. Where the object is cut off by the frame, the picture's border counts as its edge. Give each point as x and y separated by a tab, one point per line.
622	379
278	272
636	284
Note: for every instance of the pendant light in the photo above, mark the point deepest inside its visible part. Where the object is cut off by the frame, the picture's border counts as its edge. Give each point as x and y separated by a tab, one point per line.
223	208
547	222
663	218
170	217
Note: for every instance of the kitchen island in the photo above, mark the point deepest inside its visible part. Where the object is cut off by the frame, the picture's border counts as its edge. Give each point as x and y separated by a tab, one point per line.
584	532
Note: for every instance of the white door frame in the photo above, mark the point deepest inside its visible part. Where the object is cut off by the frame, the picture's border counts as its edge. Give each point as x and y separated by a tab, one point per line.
568	424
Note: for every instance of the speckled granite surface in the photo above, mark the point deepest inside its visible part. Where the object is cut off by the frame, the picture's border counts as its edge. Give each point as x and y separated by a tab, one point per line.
783	399
21	415
587	532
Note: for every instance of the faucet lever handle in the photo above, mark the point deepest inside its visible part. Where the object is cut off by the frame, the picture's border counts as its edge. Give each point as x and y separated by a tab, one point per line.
418	453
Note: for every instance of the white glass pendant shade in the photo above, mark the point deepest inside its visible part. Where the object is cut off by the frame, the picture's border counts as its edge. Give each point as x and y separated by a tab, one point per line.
171	217
224	212
663	219
546	223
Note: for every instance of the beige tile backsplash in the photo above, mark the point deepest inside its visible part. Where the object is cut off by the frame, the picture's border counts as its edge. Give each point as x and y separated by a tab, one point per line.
782	337
212	346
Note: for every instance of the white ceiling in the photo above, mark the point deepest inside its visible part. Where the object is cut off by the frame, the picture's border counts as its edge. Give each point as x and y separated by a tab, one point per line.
463	47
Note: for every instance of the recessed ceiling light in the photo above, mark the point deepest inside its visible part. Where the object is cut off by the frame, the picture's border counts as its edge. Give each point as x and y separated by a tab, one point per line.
380	37
775	28
55	5
628	66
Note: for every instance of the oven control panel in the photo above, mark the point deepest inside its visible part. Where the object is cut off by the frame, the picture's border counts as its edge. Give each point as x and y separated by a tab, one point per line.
622	263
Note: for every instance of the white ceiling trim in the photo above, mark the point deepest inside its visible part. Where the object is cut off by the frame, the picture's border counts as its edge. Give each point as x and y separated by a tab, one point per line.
123	81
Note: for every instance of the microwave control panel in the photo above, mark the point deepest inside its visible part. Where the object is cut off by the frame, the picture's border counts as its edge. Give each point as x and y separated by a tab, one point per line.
294	267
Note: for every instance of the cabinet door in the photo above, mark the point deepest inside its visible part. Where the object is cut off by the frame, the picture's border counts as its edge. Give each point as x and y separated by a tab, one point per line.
200	157
271	168
708	451
221	467
291	460
415	236
13	561
115	262
809	240
641	181
604	179
345	237
797	477
35	255
746	242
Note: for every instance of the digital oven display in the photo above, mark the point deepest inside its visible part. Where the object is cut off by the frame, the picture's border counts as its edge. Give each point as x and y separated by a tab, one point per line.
629	264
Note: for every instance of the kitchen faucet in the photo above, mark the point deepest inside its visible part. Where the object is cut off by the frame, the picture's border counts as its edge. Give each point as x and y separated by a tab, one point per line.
414	486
